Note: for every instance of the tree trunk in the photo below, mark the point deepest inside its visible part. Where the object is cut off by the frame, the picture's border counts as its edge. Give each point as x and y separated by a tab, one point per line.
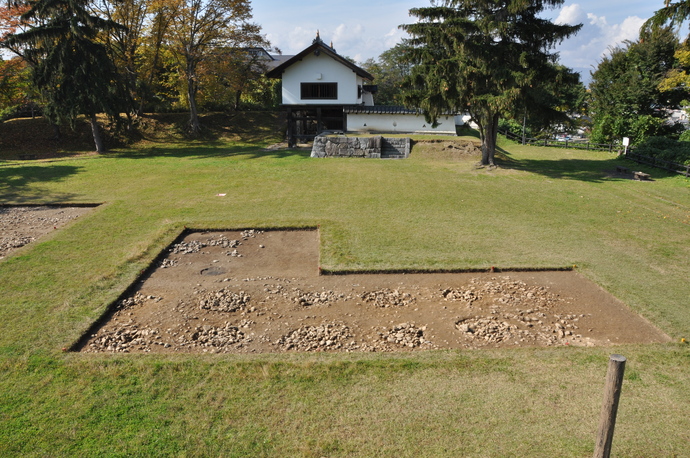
160	31
96	131
194	126
488	129
57	135
489	140
238	97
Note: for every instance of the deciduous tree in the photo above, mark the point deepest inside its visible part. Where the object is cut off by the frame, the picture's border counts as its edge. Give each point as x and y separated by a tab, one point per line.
124	43
14	84
198	29
626	98
478	56
389	71
11	22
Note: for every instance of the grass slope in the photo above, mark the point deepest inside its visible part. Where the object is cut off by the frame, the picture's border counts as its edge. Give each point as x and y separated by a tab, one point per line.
542	208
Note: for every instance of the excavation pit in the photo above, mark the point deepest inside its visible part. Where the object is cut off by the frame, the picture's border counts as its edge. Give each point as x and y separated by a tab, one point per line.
21	225
261	292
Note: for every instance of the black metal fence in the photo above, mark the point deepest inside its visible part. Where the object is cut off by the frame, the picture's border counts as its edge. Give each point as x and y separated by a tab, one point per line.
611	148
565	143
659	163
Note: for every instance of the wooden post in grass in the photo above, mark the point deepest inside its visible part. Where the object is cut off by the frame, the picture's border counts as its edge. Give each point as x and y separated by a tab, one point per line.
612	393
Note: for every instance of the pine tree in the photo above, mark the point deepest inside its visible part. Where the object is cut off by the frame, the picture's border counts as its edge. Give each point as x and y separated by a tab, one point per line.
72	68
480	56
673	14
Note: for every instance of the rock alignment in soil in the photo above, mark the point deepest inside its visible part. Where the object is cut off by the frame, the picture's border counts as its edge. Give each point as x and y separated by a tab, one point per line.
497	311
339	337
518	314
500	311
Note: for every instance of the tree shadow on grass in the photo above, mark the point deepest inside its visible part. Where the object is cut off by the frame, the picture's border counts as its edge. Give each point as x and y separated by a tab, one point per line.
593	171
22	184
209	149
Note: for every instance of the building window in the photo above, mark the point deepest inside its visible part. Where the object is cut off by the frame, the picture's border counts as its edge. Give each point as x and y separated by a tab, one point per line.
313	91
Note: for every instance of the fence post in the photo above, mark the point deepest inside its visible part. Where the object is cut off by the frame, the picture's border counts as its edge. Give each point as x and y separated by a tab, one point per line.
612	393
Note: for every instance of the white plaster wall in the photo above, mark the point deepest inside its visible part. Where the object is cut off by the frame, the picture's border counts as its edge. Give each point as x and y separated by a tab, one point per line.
320	69
402	123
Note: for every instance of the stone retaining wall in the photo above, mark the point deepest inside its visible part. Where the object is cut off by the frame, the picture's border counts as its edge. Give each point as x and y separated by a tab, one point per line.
367	147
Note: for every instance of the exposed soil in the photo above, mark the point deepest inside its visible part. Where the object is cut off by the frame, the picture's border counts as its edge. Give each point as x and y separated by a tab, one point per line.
20	226
255	292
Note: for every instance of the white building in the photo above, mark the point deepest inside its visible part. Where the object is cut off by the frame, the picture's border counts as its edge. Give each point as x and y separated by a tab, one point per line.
322	90
316	84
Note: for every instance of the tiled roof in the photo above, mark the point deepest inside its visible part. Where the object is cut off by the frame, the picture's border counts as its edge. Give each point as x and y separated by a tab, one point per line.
379	109
278	59
386	109
320	46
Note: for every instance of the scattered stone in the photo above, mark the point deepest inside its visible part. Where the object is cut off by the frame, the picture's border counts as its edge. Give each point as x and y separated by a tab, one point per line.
165	263
124	339
129	302
388	298
223	242
405	335
250	233
11	243
489	329
314	298
218	337
467	295
325	337
193	246
519	314
223	300
20	226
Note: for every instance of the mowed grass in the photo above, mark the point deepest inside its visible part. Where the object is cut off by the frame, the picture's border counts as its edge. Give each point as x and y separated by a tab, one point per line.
541	208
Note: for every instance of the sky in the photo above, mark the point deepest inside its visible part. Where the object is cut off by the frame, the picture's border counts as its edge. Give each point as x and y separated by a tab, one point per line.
363	29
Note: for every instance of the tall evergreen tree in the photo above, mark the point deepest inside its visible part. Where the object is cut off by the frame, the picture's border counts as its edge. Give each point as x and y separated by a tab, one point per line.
73	70
673	15
480	56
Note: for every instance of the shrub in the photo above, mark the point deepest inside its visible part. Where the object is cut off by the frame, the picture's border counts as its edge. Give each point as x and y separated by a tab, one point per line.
667	149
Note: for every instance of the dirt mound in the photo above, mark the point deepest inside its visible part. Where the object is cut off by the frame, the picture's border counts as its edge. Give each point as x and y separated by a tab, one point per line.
447	149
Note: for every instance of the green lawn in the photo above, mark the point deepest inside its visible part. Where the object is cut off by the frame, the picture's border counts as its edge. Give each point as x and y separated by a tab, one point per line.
541	208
